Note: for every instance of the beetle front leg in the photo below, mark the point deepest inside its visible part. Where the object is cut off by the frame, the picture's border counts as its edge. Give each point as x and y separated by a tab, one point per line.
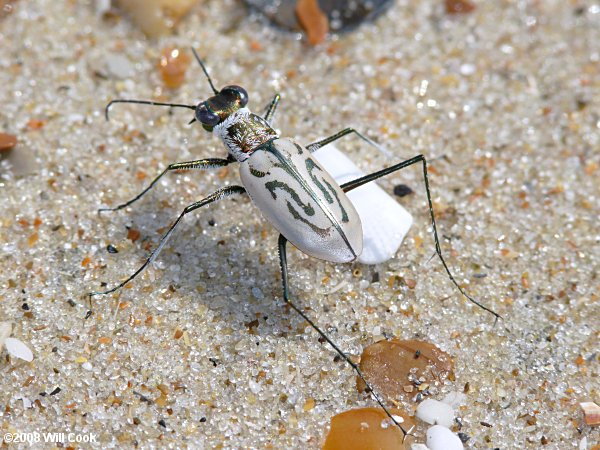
323	142
286	297
202	164
215	196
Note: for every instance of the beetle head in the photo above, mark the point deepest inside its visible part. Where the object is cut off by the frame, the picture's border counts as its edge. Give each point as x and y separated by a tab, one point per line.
219	107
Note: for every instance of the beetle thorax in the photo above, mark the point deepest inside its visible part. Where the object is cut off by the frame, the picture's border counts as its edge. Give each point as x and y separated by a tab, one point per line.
242	132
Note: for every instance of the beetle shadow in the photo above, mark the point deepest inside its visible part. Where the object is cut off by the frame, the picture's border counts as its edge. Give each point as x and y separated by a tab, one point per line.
214	261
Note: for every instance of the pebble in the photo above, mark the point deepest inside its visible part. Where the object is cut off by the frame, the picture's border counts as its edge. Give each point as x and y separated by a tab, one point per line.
436	413
459	6
7	141
591	413
156	17
392	366
257	293
384	222
313	20
341	14
367	428
402	190
18	349
173	65
441	438
118	66
467	69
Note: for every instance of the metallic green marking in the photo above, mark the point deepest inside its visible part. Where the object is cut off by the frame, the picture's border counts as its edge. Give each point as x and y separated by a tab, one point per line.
333	191
272	186
320	231
310	166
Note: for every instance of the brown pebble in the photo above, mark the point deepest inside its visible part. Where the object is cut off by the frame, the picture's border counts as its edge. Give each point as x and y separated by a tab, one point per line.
32	239
7	141
313	20
133	235
36	124
459	6
367	428
391	366
309	404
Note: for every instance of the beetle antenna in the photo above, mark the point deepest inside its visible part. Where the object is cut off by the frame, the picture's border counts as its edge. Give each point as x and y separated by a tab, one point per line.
146	102
205	71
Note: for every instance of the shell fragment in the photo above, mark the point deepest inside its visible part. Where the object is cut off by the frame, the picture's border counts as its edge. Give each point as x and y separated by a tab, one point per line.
384	221
441	438
18	349
435	413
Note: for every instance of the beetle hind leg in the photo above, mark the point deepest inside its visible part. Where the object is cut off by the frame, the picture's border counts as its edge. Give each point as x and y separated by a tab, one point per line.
438	249
286	297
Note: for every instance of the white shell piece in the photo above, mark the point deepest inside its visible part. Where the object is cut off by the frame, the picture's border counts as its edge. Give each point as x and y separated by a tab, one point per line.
384	221
18	349
435	413
5	331
299	198
441	438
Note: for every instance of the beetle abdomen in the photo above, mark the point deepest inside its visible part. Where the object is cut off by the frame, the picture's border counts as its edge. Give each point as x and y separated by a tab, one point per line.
302	201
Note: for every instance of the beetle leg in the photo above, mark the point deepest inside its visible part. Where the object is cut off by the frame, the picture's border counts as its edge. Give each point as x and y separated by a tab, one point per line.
215	196
202	164
286	297
272	108
323	142
438	249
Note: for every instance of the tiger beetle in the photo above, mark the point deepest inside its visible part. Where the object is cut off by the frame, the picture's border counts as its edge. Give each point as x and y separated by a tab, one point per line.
291	189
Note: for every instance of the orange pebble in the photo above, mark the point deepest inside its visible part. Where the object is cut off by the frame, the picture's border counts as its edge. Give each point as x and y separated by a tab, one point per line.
313	20
173	64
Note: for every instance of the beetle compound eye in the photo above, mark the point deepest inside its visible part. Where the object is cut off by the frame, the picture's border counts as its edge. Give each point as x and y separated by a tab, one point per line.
206	116
238	92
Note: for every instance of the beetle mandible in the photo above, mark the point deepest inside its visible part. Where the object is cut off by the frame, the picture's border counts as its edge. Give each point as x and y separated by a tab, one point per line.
291	189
